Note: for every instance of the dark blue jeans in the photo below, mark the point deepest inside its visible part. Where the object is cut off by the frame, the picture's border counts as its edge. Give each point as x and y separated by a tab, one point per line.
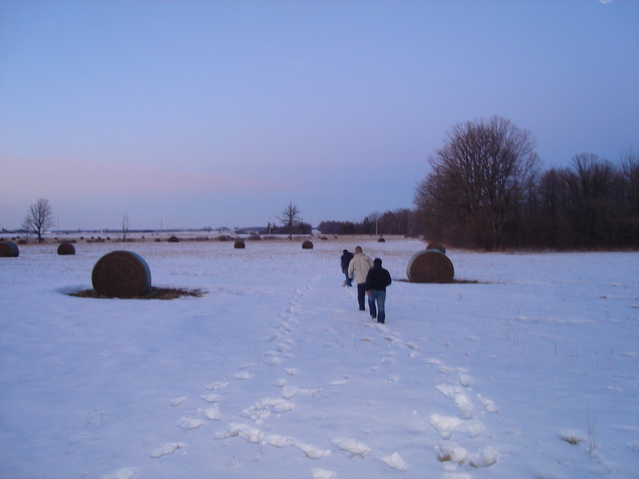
379	311
348	280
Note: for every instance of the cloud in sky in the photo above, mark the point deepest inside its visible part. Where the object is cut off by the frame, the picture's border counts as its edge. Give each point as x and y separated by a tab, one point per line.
161	106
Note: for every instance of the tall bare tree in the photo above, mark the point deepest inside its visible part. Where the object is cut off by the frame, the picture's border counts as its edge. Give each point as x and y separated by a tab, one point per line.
477	182
290	218
125	227
39	218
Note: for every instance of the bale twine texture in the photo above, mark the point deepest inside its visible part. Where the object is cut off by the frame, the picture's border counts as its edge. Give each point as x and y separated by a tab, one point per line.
121	274
8	249
430	266
66	248
307	244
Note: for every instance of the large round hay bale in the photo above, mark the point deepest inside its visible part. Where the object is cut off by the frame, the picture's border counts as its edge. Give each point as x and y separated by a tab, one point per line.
239	244
174	239
8	249
66	248
307	244
430	266
381	240
437	246
121	274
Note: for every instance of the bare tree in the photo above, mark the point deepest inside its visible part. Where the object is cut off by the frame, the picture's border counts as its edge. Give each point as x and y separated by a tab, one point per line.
290	218
125	227
478	180
39	219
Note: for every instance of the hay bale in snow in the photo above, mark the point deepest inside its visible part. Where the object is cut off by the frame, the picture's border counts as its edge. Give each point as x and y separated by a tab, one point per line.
436	246
430	266
381	240
8	249
307	244
174	239
239	244
66	248
121	274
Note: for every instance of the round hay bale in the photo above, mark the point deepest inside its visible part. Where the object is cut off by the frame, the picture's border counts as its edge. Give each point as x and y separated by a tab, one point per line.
307	244
121	274
239	244
174	239
158	240
66	248
436	246
381	240
430	266
8	249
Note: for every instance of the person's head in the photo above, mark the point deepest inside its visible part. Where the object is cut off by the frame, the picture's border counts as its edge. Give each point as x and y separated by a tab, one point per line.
345	251
358	249
377	262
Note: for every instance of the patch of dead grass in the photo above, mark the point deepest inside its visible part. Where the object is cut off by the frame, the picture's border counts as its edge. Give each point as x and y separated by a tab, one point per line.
153	293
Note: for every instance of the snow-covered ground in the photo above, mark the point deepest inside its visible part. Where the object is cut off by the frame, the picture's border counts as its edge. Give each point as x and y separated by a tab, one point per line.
533	371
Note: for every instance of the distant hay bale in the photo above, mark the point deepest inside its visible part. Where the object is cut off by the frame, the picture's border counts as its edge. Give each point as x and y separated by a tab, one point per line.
381	240
174	239
158	240
8	249
307	244
121	274
66	248
430	266
22	241
437	246
239	244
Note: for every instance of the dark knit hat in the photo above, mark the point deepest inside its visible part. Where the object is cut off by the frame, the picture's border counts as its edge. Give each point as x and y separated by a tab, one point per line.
377	261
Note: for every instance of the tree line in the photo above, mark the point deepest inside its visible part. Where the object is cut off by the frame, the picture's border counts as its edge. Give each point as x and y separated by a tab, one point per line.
486	190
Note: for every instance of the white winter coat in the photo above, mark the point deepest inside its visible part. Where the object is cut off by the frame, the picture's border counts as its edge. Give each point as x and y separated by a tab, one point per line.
359	266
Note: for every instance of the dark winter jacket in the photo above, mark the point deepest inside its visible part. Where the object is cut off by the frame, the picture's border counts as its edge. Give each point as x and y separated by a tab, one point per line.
377	278
345	259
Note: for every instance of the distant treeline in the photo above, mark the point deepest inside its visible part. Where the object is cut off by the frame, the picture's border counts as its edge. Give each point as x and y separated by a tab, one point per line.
402	221
486	191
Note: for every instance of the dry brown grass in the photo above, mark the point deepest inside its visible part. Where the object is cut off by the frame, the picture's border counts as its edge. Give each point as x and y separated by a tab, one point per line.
153	293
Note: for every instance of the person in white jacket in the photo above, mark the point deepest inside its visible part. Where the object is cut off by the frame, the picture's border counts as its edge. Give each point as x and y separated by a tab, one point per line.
358	269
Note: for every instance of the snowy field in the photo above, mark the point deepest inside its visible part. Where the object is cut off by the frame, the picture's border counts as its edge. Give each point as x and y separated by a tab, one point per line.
532	372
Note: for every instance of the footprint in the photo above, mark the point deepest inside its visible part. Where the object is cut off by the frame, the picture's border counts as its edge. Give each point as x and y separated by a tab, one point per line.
352	446
213	413
395	461
446	425
252	435
217	385
488	404
312	451
124	473
189	423
465	405
280	441
178	401
167	449
210	397
323	474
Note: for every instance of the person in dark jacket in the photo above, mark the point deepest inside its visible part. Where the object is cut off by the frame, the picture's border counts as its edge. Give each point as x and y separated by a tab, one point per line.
376	281
344	261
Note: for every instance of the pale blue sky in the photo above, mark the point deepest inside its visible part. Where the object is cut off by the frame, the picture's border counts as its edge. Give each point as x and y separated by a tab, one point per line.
218	113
